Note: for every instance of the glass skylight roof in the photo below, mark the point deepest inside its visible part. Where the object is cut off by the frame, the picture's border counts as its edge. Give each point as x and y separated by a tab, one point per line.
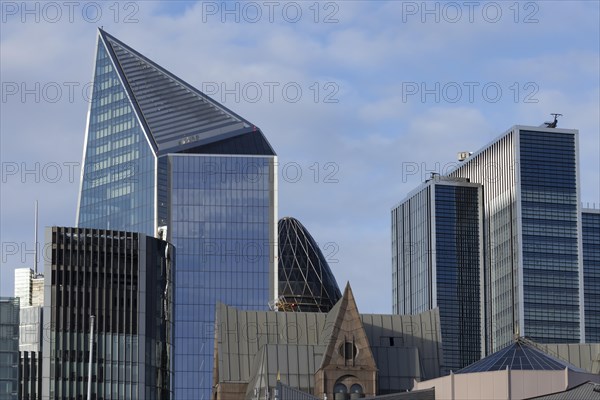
518	356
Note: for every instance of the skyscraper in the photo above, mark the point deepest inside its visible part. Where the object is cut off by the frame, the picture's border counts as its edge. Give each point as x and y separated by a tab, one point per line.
436	262
162	156
306	282
591	273
29	287
124	279
533	266
23	285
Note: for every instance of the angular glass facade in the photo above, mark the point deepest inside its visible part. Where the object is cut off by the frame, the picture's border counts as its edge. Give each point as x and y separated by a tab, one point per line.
118	182
436	247
306	283
9	348
125	280
160	156
533	268
591	273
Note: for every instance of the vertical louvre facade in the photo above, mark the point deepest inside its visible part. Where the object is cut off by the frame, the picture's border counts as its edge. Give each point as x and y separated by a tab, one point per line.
30	375
161	155
125	280
436	247
9	348
591	270
532	264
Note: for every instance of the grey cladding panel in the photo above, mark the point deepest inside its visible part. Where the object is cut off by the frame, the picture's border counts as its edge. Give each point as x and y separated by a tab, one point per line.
176	114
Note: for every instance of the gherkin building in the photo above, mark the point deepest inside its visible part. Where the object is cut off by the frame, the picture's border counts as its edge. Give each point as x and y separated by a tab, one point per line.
306	283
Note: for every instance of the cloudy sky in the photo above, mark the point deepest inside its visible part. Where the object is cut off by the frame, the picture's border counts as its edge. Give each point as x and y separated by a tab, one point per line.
360	99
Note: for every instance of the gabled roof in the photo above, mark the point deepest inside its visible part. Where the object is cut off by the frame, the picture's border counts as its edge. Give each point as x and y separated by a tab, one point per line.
347	325
519	356
258	346
177	115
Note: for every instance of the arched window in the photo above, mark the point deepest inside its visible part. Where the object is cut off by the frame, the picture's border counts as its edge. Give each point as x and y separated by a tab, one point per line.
356	388
340	388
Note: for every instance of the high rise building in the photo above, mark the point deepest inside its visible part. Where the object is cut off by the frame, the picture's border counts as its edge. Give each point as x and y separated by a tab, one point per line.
532	278
306	283
591	273
29	287
533	268
162	156
37	290
124	280
436	262
9	348
23	286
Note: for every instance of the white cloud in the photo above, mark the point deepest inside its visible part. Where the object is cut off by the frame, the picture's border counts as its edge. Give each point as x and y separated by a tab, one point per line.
370	134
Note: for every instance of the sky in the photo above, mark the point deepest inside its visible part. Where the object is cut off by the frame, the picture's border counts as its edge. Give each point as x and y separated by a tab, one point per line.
361	100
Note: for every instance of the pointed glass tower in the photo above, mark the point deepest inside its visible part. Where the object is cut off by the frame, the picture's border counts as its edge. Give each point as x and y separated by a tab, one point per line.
306	283
162	158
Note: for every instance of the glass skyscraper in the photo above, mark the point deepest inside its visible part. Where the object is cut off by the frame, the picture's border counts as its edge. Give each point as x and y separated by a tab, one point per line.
591	273
164	159
306	283
533	267
436	262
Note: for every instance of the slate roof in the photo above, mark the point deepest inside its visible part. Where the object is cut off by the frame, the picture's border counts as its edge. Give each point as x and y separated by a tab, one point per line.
426	394
260	345
585	391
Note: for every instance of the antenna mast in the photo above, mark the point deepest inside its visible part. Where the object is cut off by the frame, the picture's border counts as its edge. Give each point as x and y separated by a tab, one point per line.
35	238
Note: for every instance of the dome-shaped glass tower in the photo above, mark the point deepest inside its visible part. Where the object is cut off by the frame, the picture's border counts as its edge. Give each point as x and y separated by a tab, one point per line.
305	281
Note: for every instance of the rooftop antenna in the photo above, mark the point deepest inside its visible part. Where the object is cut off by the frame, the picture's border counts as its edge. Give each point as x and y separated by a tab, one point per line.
554	123
35	238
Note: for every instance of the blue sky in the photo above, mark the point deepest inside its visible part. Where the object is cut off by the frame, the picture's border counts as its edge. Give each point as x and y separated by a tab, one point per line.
352	94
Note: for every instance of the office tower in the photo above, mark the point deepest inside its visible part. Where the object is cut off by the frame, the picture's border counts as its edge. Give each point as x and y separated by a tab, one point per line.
124	280
31	342
436	245
590	222
533	268
306	283
23	287
30	375
29	287
37	290
161	155
9	348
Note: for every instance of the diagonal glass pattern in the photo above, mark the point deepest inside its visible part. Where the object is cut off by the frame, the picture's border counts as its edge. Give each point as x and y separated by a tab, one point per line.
306	283
518	356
